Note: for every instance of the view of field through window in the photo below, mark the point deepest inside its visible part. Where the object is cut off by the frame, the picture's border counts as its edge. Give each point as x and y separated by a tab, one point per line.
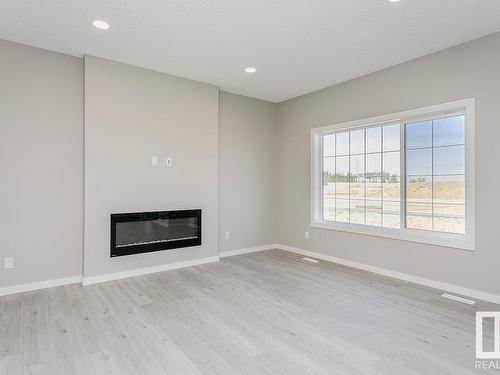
361	170
362	175
435	175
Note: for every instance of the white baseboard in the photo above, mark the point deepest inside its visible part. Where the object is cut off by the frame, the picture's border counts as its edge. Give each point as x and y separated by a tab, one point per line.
477	294
247	250
147	270
39	285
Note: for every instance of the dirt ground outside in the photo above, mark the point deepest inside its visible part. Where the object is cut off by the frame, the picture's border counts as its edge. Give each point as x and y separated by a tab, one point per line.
438	206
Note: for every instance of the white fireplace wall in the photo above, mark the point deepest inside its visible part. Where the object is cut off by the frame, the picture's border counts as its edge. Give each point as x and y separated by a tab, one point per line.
131	116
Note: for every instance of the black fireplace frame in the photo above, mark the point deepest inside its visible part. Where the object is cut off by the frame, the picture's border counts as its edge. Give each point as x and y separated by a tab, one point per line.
156	215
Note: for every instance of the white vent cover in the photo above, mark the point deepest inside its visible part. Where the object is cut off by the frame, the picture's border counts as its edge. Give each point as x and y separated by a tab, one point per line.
459	299
310	260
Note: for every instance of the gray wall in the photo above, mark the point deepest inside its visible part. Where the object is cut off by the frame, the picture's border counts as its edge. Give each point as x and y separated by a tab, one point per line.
469	70
132	114
246	171
41	164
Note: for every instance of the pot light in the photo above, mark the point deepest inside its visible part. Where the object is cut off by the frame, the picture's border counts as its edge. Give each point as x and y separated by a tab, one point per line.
250	69
100	24
393	1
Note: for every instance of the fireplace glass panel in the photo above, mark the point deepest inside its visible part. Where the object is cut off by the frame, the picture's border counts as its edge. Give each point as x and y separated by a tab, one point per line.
156	231
133	233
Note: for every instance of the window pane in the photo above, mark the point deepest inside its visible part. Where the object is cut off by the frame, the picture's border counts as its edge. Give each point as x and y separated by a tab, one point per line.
451	210
413	208
419	134
391	188
374	189
342	167
357	211
329	209
449	131
391	221
419	162
357	142
449	218
357	166
342	144
392	164
329	166
329	190
390	207
419	216
435	167
373	165
419	189
342	190
342	210
373	212
392	137
374	139
449	160
357	188
328	177
449	225
419	222
329	145
449	189
391	214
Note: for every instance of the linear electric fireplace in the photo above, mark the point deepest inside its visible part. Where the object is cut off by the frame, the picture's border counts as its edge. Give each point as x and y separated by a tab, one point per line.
142	232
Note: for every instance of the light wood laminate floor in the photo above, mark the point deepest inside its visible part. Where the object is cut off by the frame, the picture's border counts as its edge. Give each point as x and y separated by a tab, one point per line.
261	313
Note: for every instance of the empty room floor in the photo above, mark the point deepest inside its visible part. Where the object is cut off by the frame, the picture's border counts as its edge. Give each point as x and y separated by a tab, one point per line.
263	313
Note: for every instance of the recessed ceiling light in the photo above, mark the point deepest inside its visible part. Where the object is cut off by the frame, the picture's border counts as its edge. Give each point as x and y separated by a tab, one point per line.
393	1
100	24
250	69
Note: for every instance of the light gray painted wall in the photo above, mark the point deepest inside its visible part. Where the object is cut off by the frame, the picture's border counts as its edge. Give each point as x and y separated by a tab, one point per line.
469	70
41	160
246	171
41	143
41	164
132	114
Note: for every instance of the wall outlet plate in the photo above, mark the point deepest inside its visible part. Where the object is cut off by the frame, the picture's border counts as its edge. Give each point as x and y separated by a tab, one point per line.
154	161
8	263
306	235
227	235
169	161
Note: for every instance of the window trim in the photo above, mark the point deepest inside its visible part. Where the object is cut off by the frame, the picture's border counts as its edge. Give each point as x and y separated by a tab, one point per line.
458	241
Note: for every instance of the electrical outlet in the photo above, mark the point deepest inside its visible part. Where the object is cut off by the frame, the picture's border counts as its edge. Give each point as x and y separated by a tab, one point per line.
8	263
154	161
227	236
306	235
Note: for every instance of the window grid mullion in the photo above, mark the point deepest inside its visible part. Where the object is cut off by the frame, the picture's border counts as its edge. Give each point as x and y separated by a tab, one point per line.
364	174
402	178
335	177
432	177
382	183
322	169
349	175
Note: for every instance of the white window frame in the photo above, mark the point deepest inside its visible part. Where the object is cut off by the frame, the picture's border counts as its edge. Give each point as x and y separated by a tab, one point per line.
460	241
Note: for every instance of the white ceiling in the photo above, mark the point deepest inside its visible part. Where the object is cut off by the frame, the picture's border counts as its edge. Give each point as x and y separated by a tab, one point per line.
298	46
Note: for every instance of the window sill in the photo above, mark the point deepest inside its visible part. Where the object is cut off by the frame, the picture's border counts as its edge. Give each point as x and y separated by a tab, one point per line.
456	241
